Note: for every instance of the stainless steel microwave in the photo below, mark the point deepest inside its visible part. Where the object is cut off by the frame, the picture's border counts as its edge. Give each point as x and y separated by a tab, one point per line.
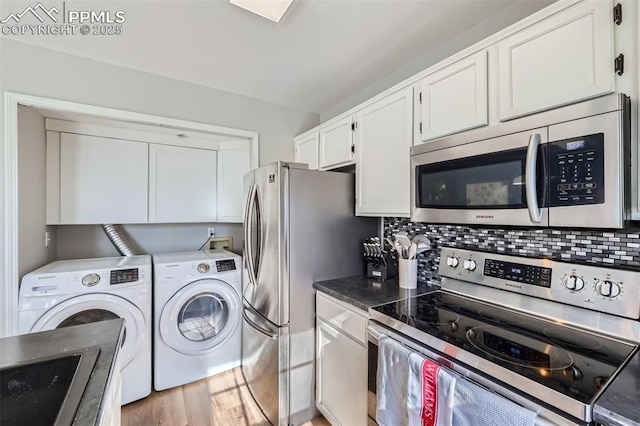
566	167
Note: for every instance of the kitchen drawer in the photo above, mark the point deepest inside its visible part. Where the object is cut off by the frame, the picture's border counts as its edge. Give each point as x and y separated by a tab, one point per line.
343	317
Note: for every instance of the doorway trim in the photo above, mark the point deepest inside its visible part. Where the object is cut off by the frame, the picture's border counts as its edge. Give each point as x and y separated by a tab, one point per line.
9	279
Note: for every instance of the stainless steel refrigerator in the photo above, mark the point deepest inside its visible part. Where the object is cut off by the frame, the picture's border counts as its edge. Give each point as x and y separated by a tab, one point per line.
300	227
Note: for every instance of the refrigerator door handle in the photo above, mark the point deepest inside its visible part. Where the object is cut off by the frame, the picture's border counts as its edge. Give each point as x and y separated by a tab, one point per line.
256	327
248	228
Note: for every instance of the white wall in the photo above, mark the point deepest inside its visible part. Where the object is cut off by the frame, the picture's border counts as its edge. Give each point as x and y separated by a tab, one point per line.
507	16
86	241
37	71
42	72
32	252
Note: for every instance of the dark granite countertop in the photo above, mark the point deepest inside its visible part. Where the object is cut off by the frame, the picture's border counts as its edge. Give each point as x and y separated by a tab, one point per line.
105	334
620	402
363	292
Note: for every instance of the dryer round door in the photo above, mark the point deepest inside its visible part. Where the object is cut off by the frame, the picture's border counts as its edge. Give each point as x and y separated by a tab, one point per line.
98	307
200	317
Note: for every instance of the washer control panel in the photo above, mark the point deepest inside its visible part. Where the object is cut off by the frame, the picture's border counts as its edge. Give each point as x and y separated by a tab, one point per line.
607	290
225	265
123	276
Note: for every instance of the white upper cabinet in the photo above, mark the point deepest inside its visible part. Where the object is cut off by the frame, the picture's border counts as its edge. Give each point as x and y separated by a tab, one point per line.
182	184
307	150
232	166
336	143
564	58
101	180
454	98
383	139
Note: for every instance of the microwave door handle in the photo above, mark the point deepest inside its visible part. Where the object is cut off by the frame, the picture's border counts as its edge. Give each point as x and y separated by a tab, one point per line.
530	178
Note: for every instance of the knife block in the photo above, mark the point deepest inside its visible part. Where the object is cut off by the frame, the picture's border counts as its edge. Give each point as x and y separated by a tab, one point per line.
377	269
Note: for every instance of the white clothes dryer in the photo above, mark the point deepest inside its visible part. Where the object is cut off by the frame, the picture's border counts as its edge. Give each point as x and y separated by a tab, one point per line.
73	292
197	315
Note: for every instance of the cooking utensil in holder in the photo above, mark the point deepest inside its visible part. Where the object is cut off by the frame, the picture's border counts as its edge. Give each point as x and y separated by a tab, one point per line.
379	262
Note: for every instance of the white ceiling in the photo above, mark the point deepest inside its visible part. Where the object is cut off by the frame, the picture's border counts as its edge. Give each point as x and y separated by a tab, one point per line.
320	53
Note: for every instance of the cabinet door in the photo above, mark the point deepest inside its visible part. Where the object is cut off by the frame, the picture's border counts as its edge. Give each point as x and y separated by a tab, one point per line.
182	184
564	58
232	166
336	140
102	180
341	370
455	98
383	141
307	150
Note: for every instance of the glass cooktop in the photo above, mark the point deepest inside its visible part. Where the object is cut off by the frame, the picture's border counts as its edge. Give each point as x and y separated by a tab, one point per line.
570	361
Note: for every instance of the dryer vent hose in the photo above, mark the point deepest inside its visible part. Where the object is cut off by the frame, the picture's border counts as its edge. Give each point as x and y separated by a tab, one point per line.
118	240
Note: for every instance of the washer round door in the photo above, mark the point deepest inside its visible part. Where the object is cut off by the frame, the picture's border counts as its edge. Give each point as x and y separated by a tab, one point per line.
200	317
98	307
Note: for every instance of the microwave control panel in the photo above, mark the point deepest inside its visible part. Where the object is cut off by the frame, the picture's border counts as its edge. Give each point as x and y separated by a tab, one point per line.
576	171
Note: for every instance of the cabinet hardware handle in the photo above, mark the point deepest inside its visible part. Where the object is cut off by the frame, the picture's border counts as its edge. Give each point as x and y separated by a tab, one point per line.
617	14
619	64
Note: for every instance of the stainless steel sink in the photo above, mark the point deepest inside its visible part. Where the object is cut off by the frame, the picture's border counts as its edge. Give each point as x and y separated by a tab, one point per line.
45	391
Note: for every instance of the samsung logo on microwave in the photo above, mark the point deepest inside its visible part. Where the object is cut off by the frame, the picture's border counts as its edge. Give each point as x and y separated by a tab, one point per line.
484	216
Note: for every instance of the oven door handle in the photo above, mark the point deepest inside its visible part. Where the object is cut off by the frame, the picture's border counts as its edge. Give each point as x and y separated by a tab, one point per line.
530	179
373	334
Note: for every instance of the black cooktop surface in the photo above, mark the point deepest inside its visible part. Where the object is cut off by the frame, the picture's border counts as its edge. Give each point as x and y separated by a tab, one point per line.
573	362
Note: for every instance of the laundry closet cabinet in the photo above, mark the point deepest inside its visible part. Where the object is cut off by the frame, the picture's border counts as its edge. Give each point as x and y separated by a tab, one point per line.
146	178
94	179
182	184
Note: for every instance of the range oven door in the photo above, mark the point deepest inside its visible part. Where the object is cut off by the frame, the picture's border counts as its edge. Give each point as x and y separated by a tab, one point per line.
545	417
497	181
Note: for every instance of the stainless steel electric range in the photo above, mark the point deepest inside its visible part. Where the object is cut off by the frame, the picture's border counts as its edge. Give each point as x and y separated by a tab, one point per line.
547	335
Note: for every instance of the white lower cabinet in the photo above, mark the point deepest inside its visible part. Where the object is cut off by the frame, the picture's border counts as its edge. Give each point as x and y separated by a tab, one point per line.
341	364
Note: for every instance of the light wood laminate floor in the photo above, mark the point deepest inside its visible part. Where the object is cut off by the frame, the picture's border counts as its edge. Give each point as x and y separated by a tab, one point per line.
223	399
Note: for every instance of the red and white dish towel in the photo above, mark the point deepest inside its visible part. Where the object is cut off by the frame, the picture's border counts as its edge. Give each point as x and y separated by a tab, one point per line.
415	391
437	397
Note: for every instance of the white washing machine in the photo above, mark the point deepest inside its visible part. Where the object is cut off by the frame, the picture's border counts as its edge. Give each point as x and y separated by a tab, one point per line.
197	315
72	292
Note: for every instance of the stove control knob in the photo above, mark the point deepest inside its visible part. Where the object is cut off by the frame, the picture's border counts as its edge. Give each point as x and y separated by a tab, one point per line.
573	282
469	264
90	280
203	268
452	261
607	288
453	326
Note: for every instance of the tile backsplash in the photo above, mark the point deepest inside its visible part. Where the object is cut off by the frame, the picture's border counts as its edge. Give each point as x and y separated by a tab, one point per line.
614	249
